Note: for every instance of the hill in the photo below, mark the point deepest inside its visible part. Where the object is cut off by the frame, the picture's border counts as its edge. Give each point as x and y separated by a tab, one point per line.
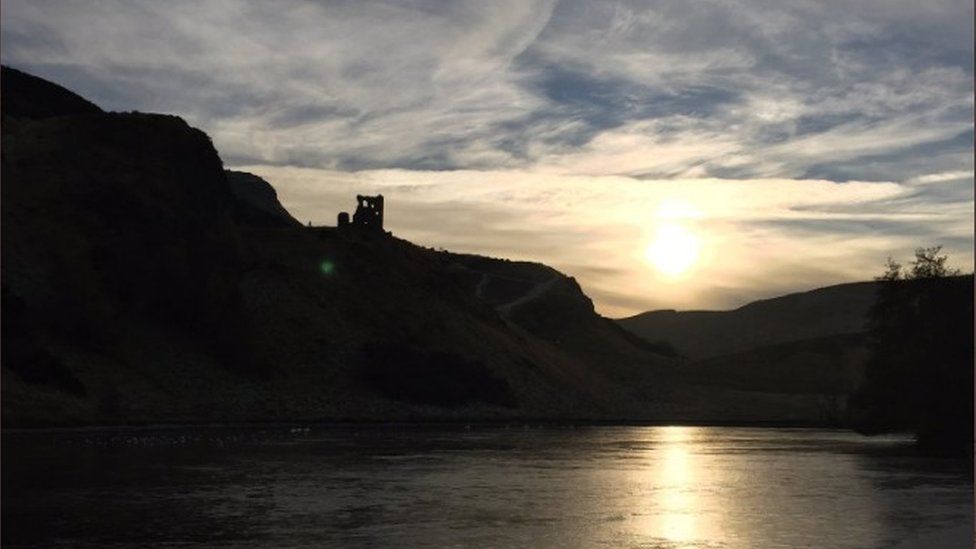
811	346
834	310
144	283
27	96
256	201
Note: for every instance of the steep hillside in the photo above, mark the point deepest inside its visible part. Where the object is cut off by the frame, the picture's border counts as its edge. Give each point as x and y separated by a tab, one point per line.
833	310
27	96
548	303
143	283
256	201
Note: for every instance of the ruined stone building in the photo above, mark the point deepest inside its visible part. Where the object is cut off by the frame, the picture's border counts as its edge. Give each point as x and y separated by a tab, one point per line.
368	216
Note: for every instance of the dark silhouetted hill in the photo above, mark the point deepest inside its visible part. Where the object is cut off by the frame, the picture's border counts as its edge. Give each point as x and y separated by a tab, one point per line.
812	345
257	201
144	283
27	96
829	311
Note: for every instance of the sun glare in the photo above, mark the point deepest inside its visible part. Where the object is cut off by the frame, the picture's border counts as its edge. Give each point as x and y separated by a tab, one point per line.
674	249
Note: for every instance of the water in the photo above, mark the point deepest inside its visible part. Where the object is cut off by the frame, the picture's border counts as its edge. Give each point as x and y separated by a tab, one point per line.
409	486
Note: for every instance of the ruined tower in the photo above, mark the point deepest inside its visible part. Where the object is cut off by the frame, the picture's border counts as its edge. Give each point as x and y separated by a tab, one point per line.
368	216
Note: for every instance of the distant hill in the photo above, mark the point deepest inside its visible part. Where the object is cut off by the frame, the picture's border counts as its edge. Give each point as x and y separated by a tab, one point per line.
830	366
829	311
808	346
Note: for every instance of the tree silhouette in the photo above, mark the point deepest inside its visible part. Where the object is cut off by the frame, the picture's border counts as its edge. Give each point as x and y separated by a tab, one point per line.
927	264
920	378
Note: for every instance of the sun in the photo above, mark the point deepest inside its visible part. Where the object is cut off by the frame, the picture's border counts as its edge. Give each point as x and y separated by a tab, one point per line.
674	250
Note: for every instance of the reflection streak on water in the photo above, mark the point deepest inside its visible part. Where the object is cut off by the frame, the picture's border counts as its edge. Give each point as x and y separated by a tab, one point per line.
699	490
675	476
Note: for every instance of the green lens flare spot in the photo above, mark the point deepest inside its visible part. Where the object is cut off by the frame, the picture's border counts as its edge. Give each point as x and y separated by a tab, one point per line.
327	267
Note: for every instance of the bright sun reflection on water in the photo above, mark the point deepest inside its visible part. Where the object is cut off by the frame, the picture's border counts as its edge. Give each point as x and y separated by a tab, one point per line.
674	477
699	487
679	508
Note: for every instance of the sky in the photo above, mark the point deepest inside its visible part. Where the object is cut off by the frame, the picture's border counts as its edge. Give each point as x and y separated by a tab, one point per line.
666	154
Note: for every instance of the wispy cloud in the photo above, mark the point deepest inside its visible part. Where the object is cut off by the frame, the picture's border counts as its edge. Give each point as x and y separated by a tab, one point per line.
786	88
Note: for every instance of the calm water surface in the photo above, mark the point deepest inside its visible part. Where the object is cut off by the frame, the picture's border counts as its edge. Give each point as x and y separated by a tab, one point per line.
409	486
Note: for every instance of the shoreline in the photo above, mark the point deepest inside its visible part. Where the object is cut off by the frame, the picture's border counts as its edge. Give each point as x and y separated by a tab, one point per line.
461	423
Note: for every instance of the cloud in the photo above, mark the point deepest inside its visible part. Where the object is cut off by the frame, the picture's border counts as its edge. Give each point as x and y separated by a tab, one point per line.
787	90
